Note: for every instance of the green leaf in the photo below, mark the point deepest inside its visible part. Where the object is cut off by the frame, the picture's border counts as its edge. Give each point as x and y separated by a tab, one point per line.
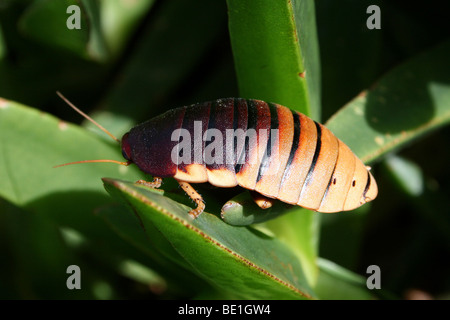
140	273
276	52
237	259
338	283
407	174
411	100
96	48
119	19
242	211
32	142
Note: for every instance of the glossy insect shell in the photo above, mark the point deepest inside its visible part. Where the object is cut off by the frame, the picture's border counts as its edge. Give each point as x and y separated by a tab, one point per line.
307	165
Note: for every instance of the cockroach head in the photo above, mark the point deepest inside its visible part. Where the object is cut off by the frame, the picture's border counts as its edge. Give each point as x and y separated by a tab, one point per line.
126	149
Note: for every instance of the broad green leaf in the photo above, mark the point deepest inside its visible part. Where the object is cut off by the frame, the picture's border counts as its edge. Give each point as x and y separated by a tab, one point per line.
411	100
32	142
237	259
276	53
305	21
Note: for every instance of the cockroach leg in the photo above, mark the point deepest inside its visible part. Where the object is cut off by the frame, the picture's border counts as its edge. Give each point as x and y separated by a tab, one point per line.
155	184
262	201
194	195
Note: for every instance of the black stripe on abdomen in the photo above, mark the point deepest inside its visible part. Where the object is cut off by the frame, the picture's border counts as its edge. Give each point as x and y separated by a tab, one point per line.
367	185
316	155
295	143
265	162
251	124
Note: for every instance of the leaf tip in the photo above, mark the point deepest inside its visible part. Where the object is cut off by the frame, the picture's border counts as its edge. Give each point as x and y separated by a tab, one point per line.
109	181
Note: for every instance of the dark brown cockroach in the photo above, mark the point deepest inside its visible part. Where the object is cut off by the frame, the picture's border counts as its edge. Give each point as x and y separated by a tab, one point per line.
265	147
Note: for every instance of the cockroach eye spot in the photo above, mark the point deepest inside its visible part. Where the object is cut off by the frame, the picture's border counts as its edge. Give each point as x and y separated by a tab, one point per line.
334	181
354	183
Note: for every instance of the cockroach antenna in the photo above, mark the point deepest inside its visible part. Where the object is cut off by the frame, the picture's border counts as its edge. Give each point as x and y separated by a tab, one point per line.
123	163
86	116
99	126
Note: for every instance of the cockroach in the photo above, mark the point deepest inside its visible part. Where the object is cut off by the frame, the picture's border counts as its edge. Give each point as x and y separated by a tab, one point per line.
267	148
